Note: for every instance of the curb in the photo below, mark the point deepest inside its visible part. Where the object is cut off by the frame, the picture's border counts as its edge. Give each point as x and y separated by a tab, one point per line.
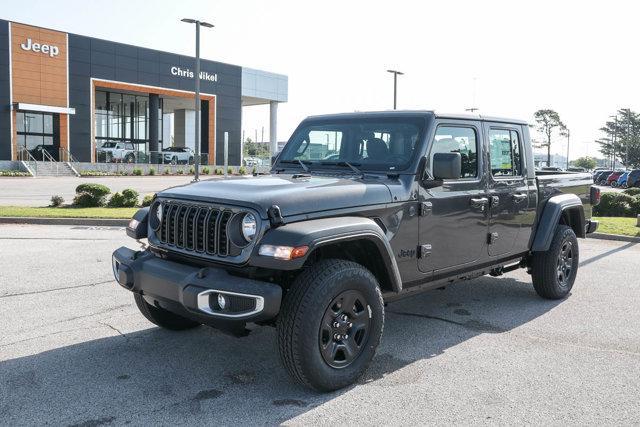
616	237
94	222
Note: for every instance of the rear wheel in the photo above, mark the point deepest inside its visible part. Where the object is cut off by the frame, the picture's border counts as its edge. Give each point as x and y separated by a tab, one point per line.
554	271
330	324
162	317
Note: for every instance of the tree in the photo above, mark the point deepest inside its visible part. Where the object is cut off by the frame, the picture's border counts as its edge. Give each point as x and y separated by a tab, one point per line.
584	162
548	123
622	138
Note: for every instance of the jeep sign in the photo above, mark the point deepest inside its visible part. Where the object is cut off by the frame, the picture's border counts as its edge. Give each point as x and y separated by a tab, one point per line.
47	49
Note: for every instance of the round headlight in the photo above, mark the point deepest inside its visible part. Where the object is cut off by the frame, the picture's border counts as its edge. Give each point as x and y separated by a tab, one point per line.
249	226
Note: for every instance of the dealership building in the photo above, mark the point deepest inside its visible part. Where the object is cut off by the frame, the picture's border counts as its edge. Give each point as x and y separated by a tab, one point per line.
66	93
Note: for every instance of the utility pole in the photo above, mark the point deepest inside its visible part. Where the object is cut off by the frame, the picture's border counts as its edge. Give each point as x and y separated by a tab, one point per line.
626	155
196	165
613	141
568	136
395	86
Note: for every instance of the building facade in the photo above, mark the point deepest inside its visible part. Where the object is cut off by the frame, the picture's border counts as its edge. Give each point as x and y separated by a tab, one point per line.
71	95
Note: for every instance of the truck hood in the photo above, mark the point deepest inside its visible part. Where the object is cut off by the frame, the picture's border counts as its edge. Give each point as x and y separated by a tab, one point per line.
294	196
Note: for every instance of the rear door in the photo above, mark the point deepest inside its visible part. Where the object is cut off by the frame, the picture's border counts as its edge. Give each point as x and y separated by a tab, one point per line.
453	227
511	202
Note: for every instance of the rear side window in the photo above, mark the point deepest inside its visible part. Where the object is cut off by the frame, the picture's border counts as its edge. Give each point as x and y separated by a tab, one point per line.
504	152
458	139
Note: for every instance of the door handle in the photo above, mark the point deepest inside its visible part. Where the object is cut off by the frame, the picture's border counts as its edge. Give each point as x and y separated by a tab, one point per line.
479	202
519	197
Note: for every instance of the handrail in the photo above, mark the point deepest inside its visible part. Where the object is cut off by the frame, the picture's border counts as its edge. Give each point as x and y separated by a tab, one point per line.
25	156
65	156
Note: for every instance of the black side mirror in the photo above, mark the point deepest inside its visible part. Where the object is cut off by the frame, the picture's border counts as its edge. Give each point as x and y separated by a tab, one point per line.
447	166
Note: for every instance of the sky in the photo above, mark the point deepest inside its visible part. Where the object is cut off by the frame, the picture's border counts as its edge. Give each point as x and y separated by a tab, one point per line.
507	58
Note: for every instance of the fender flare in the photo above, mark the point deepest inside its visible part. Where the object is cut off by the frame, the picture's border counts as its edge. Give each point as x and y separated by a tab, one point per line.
322	232
550	217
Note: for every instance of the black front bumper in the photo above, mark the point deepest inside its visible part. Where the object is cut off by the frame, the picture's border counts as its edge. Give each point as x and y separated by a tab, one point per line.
193	292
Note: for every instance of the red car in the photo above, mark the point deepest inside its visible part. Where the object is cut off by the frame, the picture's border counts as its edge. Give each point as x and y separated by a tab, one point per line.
614	177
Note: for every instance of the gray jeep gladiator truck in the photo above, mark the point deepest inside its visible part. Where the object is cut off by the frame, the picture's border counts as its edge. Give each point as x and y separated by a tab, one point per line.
358	210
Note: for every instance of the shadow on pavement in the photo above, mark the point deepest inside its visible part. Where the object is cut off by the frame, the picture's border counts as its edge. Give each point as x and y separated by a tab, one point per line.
203	376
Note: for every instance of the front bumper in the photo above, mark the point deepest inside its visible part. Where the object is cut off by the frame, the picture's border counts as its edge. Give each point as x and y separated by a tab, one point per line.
194	292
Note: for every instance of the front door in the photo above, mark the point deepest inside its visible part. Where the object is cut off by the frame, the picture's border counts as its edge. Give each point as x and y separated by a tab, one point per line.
454	222
511	211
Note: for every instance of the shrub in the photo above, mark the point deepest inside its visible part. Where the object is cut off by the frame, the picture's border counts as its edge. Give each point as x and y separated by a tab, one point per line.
242	170
634	206
254	171
90	195
136	172
180	171
56	201
615	204
166	171
147	200
14	173
219	171
632	191
152	171
127	199
192	170
230	170
206	170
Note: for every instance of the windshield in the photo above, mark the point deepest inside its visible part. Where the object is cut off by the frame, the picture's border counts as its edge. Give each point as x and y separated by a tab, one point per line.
109	145
384	144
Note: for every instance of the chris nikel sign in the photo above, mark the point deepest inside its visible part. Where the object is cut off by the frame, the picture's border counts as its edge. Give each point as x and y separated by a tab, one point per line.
46	49
187	73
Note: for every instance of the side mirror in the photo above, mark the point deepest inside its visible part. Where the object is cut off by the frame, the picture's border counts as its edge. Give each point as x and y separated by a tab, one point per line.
447	166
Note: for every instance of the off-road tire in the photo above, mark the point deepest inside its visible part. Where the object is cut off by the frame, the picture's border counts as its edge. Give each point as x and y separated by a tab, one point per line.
162	317
301	315
544	266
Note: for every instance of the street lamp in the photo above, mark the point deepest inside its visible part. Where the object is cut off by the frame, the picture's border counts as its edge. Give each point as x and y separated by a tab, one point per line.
568	134
613	140
196	176
395	85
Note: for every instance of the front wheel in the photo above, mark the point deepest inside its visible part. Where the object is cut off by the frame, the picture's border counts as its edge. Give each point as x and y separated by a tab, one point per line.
554	271
330	324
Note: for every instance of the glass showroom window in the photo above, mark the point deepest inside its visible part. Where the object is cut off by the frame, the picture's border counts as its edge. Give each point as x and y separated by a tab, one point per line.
35	132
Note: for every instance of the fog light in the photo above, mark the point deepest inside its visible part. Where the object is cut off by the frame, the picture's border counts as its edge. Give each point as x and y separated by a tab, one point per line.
222	301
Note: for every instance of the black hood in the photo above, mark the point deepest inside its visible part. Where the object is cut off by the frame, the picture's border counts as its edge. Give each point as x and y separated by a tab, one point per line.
294	196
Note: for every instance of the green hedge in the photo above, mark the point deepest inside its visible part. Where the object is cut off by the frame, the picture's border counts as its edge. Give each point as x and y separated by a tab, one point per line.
618	204
127	199
632	191
91	195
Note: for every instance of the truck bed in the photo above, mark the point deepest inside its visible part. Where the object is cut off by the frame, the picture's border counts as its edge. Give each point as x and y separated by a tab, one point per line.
553	183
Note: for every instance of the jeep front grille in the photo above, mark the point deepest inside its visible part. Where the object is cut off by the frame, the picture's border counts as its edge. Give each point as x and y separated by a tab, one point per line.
195	228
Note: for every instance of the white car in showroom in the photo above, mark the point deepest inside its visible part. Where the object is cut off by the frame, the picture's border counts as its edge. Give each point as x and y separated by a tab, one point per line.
121	152
177	155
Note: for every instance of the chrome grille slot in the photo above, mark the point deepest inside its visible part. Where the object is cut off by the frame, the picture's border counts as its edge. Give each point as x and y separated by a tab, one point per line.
189	226
181	212
201	216
196	228
212	227
223	240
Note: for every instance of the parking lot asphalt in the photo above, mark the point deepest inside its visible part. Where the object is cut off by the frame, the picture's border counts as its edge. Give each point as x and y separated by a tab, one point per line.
75	351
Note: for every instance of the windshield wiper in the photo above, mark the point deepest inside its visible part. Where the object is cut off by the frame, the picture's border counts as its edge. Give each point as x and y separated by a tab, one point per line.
352	166
302	163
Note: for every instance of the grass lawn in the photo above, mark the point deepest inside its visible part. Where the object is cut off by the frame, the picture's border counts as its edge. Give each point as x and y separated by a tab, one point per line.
618	225
66	212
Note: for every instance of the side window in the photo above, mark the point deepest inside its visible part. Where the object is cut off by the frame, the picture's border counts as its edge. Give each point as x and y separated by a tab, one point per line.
504	152
458	139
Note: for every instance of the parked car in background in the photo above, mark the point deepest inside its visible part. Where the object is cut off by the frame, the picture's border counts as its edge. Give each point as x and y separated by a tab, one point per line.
551	169
613	177
633	179
177	155
601	177
622	180
119	152
576	169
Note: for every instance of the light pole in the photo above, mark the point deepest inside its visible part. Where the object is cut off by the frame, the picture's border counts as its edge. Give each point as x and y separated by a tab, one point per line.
196	165
626	155
568	133
395	85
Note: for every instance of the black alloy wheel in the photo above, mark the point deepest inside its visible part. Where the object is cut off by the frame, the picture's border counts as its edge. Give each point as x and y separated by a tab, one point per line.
345	329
